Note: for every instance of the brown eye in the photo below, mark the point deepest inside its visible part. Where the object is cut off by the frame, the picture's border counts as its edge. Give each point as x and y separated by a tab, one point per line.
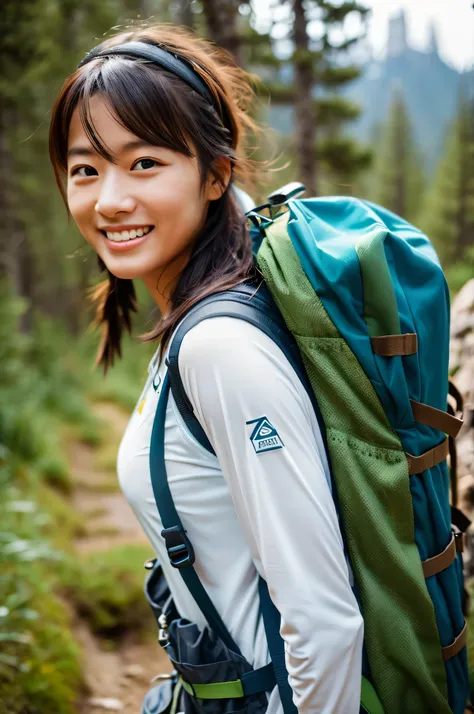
88	171
145	164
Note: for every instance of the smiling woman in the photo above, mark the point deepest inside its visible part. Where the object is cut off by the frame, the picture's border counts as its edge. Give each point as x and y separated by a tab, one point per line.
151	197
147	138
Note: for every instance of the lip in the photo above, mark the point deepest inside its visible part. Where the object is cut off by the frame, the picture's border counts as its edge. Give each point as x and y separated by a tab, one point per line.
120	246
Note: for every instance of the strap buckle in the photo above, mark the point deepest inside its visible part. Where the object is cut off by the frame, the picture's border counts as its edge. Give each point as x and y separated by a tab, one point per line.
178	545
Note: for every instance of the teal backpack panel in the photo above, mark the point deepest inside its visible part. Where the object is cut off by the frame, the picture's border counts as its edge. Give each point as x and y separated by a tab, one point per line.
330	236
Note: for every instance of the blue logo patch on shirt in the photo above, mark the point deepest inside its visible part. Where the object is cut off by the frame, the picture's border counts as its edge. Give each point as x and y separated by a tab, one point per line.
156	381
264	436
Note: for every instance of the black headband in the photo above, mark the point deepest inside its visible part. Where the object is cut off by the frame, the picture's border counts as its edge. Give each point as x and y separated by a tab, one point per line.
181	68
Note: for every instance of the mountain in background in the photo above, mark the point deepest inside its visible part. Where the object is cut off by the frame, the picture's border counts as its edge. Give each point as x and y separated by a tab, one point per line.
429	86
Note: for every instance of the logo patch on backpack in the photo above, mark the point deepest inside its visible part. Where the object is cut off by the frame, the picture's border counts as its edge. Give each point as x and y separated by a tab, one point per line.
264	436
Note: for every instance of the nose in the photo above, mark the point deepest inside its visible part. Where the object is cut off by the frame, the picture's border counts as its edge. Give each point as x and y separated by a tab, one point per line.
114	198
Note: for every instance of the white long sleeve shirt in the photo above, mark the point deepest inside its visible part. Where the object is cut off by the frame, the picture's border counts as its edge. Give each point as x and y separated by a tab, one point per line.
261	506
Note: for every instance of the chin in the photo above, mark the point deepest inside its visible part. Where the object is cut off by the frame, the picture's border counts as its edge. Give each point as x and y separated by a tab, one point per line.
133	270
125	273
125	267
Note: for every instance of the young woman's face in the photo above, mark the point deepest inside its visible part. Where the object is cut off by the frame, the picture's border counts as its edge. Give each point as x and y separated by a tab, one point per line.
142	214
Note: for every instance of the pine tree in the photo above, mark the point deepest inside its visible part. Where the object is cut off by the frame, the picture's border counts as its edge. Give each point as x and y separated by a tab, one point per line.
320	70
222	17
397	180
448	212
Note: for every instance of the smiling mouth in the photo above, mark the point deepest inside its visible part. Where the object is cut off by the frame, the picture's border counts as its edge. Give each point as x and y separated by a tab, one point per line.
127	236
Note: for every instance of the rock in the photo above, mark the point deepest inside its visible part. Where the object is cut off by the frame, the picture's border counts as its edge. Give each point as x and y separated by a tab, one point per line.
466	491
455	351
461	362
464	300
135	671
111	705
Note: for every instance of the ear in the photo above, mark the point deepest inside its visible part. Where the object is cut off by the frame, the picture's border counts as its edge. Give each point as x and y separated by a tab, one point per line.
219	178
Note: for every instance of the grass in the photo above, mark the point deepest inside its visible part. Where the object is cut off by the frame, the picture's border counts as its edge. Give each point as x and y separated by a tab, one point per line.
62	523
100	486
106	456
106	589
42	409
39	660
101	531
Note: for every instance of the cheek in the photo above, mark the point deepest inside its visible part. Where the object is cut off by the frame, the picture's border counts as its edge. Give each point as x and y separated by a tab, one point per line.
81	209
178	200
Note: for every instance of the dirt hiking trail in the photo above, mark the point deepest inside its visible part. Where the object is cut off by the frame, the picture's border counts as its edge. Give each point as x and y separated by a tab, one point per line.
116	680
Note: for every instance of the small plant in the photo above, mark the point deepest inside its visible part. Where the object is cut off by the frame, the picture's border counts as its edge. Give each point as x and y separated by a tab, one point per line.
106	589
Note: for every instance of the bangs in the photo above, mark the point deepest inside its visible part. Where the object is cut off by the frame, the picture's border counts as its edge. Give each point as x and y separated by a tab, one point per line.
136	92
151	104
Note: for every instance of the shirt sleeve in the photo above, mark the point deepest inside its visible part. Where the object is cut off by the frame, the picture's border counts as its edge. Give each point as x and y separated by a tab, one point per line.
262	427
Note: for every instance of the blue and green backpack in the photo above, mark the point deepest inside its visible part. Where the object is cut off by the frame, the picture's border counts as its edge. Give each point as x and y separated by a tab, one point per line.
357	300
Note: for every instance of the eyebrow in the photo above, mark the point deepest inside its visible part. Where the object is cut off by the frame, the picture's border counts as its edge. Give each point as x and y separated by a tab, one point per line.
129	146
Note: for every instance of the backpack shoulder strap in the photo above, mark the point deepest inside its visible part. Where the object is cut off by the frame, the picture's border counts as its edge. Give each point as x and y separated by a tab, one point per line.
246	302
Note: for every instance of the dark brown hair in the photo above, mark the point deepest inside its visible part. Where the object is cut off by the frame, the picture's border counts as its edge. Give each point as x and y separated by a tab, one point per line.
138	90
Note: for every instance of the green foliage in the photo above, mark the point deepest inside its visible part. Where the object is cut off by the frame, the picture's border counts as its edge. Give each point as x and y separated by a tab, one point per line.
332	77
458	273
106	589
397	180
448	212
41	391
61	523
343	157
334	109
36	389
123	383
39	669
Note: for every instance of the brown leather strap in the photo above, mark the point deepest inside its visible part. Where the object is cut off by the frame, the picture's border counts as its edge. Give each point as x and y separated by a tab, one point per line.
453	470
393	345
440	562
459	541
457	396
456	646
437	419
418	464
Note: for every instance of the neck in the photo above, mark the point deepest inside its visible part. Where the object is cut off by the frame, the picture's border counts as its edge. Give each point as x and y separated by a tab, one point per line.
162	282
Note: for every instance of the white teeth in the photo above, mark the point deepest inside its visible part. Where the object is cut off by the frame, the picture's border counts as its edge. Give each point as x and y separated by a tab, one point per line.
128	235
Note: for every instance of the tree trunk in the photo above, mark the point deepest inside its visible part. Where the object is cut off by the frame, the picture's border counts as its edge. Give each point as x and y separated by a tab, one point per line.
305	125
185	14
16	262
401	159
222	18
466	131
78	313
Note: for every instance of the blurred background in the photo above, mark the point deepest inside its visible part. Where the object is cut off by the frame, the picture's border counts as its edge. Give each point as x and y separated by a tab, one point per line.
374	100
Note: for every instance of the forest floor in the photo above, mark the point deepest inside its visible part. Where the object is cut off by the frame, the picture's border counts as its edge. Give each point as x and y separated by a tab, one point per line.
116	675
